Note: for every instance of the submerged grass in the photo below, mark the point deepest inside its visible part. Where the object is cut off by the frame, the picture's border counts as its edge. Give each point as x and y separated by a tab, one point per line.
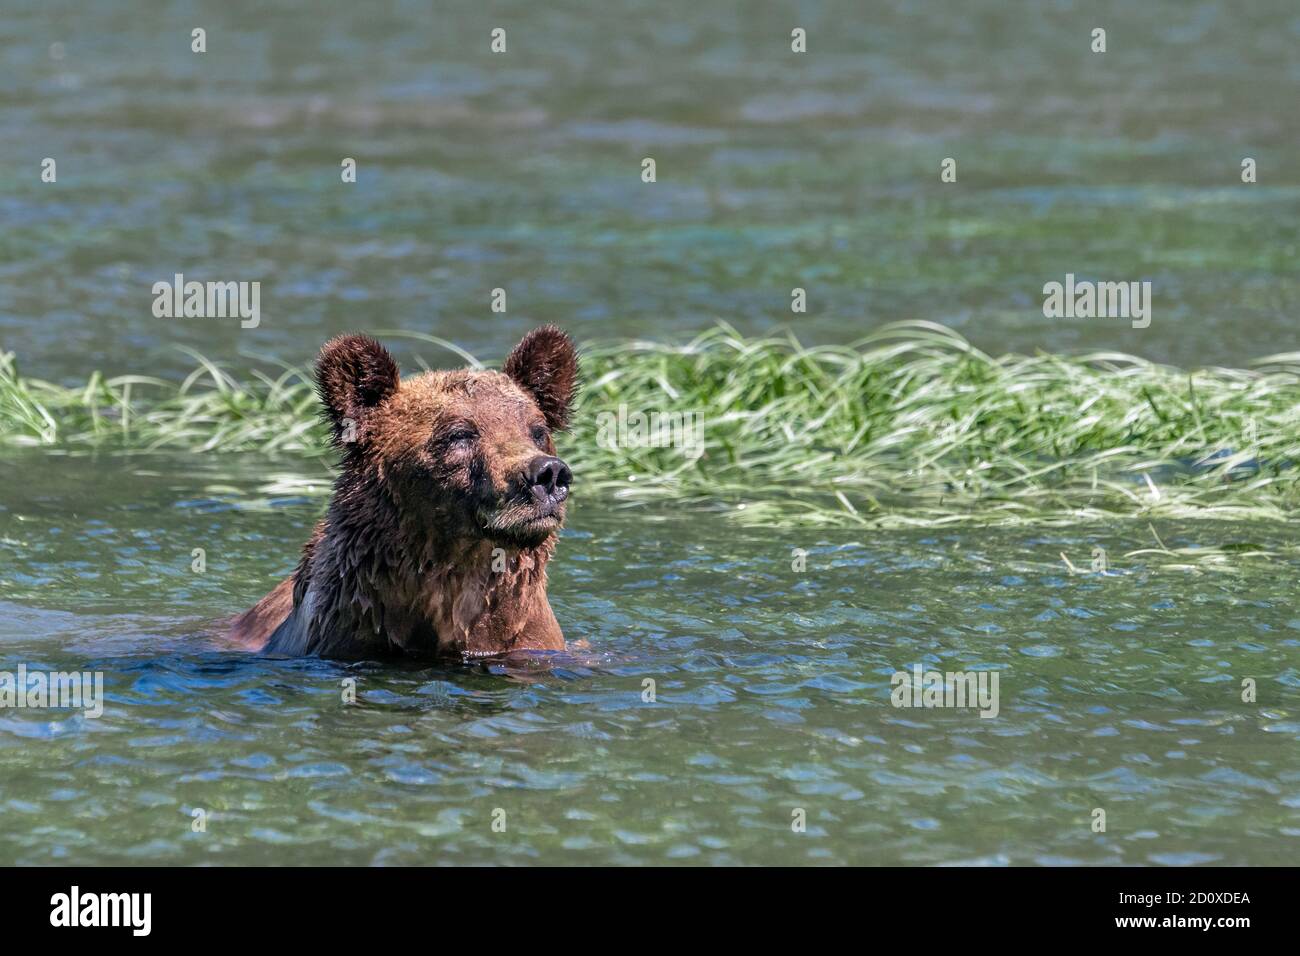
912	426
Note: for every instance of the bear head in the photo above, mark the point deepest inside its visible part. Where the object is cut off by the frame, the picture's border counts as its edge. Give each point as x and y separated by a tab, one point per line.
463	455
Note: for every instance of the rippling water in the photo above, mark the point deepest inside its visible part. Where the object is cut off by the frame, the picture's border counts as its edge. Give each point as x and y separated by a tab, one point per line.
772	694
522	171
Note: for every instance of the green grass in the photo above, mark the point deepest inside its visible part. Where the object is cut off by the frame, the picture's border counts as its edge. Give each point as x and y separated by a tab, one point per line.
910	427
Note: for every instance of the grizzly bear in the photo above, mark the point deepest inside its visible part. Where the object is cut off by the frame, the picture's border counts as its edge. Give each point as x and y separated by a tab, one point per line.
445	511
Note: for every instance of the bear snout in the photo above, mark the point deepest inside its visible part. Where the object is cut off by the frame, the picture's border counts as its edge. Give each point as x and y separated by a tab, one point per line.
547	478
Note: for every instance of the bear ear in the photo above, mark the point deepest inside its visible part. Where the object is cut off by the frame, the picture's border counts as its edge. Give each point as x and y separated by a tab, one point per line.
354	373
545	365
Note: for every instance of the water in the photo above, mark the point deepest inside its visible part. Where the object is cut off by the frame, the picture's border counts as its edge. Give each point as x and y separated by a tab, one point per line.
772	694
522	172
1120	692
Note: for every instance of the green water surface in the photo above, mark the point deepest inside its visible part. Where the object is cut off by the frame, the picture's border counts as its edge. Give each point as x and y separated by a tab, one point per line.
771	695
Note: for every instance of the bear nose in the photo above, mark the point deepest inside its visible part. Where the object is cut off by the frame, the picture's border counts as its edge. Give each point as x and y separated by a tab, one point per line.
548	477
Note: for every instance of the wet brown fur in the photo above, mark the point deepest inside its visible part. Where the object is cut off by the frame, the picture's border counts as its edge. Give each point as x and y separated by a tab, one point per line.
403	561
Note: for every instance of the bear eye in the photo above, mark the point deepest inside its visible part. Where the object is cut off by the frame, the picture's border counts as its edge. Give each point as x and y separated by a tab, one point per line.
540	434
460	436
